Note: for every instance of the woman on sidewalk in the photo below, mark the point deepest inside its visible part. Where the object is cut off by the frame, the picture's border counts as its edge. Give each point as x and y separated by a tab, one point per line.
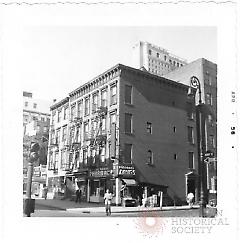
108	201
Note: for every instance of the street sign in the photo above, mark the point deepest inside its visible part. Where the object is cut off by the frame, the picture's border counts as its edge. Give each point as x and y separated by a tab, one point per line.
210	160
209	154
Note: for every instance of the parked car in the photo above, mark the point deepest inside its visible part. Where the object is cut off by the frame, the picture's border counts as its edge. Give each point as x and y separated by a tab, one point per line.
129	202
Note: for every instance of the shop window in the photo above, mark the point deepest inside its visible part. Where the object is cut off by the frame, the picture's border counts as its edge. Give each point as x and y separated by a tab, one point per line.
191	160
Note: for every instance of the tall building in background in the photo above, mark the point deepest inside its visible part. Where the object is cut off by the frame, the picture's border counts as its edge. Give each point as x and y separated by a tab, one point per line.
126	130
206	72
35	110
155	59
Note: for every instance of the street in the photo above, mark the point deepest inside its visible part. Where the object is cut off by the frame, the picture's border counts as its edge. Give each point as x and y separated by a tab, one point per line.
64	213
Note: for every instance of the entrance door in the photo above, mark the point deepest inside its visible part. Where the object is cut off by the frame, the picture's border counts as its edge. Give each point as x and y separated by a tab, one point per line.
191	186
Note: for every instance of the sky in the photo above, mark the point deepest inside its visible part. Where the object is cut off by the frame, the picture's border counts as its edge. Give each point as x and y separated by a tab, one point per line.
58	59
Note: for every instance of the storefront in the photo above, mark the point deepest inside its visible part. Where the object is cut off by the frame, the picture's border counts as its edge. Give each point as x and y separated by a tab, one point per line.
81	183
99	181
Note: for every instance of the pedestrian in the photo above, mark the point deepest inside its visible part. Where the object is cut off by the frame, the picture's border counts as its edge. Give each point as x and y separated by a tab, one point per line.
190	198
77	196
45	190
108	201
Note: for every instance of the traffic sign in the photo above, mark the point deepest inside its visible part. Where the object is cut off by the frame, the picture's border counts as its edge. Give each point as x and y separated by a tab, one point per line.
210	160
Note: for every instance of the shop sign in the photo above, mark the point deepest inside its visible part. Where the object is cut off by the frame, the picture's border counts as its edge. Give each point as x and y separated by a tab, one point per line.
100	172
126	170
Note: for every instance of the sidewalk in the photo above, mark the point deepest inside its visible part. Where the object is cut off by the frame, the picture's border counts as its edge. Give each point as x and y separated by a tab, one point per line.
85	207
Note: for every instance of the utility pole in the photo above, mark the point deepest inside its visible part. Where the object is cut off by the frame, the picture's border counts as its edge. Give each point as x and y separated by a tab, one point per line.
29	205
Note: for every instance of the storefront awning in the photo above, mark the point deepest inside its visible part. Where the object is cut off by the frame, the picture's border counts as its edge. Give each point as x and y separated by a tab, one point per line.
130	182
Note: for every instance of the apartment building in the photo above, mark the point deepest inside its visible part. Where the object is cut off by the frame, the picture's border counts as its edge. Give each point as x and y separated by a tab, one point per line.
128	129
206	72
155	59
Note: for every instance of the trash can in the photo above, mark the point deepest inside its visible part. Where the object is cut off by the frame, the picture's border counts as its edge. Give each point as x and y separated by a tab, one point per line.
29	206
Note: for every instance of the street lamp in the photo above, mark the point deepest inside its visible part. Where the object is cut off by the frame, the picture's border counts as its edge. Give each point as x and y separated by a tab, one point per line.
201	143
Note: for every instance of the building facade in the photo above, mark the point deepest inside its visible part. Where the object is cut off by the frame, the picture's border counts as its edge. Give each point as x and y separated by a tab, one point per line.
126	130
206	72
36	121
155	59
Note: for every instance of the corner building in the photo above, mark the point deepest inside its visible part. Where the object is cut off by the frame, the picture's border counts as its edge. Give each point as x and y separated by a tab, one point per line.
127	130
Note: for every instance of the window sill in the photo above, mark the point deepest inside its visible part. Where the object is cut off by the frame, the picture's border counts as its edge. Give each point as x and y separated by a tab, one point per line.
128	104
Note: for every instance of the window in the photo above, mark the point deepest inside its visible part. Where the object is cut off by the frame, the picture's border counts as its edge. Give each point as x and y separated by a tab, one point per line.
42	118
157	55
149	127
85	155
128	153
113	92
128	123
64	133
58	136
86	130
25	118
175	156
59	116
52	138
103	124
73	112
150	52
63	159
50	165
80	109
26	104
190	111
112	118
191	160
212	141
34	105
45	129
56	160
190	135
87	106
210	120
165	59
104	98
149	157
209	99
102	154
77	140
174	63
128	94
174	129
38	128
65	113
94	102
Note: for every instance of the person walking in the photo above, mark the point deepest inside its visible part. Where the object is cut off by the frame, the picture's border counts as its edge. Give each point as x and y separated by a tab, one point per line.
108	201
45	190
190	198
77	195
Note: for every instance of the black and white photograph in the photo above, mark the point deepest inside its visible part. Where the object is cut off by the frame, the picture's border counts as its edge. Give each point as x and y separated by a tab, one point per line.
119	119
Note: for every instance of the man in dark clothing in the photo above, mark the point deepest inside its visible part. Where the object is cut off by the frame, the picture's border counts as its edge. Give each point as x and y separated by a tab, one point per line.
77	196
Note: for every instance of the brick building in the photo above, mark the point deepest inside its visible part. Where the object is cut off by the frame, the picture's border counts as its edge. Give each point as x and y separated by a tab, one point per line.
127	129
206	72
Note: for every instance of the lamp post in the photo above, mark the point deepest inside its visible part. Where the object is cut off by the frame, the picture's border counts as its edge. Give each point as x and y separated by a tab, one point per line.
201	143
